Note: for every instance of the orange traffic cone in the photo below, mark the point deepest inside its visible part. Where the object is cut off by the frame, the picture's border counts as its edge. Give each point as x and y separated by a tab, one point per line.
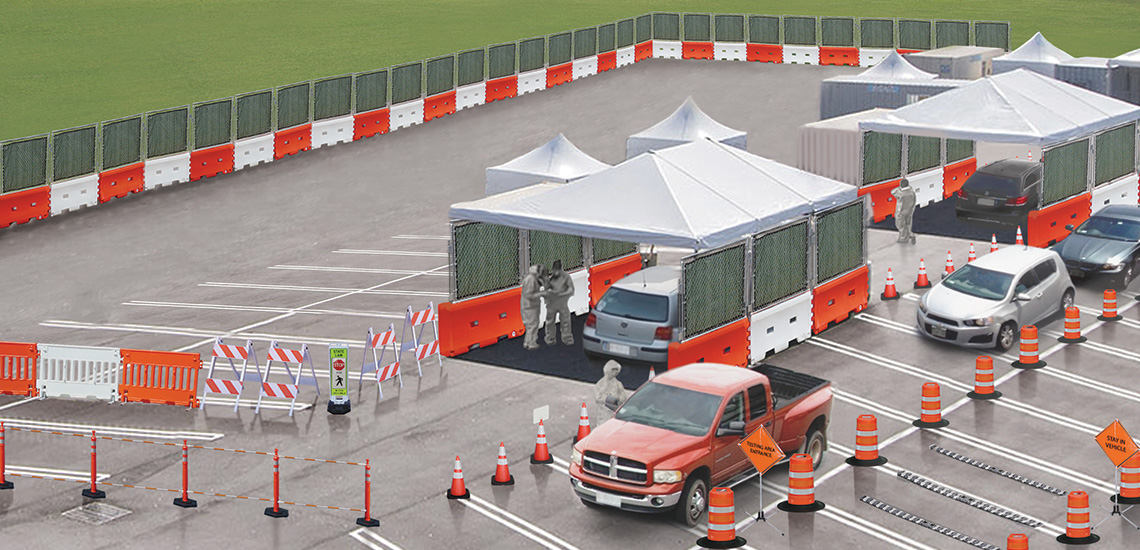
931	408
1108	312
1072	327
922	281
502	470
458	489
722	521
993	243
866	442
1078	527
973	255
984	379
1019	239
1028	358
949	265
889	293
541	452
1017	542
801	486
583	425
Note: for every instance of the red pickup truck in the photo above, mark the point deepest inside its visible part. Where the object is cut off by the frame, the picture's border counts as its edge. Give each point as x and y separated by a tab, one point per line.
679	434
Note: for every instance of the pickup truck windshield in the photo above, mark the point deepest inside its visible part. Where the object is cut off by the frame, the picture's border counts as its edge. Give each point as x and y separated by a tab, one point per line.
662	406
635	305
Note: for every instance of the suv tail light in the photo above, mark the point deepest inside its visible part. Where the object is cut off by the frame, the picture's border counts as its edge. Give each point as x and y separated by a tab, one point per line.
1017	201
962	193
663	333
591	320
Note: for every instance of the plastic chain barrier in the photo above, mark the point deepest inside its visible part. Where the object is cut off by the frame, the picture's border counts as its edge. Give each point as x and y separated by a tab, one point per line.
160	377
211	162
25	206
479	321
18	368
607	61
502	88
292	141
882	201
122	181
643	51
728	345
369	124
697	50
1047	226
831	55
836	299
604	275
954	175
559	74
766	53
437	106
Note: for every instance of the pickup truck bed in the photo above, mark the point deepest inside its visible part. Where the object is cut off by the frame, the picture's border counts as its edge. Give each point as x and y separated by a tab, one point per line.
788	385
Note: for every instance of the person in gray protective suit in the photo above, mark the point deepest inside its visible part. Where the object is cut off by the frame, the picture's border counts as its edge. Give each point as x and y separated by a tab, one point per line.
559	289
609	386
905	201
531	305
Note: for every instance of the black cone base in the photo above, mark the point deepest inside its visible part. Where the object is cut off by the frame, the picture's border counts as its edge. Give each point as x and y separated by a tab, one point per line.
1106	319
278	513
992	395
549	460
1066	539
704	542
884	296
927	285
1124	500
94	494
466	494
1079	340
365	522
340	408
1028	366
6	485
940	424
796	508
865	463
498	483
188	503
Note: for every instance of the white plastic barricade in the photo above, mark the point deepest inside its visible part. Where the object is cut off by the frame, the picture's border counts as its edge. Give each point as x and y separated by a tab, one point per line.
667	49
290	390
775	328
1119	191
532	81
869	57
332	131
230	387
74	194
253	151
413	319
626	56
406	114
384	341
470	95
587	66
164	171
79	372
803	55
927	186
730	51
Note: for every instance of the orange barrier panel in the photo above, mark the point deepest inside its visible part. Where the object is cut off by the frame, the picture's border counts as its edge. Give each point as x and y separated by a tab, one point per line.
901	52
728	345
18	369
25	206
479	321
437	106
292	141
164	377
836	299
954	175
559	74
603	276
120	182
1046	227
208	163
882	201
502	88
697	50
369	124
831	55
643	51
766	53
607	61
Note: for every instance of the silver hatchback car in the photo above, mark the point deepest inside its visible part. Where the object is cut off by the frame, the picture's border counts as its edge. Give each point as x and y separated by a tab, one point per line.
636	318
984	303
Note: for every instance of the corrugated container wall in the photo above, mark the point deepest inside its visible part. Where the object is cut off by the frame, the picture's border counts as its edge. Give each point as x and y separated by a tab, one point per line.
965	62
833	148
845	95
1090	73
1125	82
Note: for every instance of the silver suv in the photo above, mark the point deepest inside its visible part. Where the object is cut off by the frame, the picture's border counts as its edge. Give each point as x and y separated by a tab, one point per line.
637	317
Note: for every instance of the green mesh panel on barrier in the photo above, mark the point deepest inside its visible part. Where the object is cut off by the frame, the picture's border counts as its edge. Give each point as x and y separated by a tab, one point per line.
914	35
371	91
605	249
254	114
545	247
763	29
799	31
697	27
532	54
213	123
501	60
1115	153
839	242
332	97
122	142
729	28
585	43
407	81
607	37
922	153
837	32
666	26
624	33
469	67
292	105
486	258
882	157
1066	171
951	33
73	153
779	265
25	164
166	132
958	149
991	34
559	48
644	28
877	33
713	291
440	75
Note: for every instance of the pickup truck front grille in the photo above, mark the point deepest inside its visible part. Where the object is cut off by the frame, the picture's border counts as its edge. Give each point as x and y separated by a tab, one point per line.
615	468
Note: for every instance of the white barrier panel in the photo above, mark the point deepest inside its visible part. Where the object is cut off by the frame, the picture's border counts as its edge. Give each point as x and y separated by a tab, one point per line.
579	302
1119	191
801	55
777	327
730	51
626	56
532	81
666	49
164	171
79	372
332	131
74	194
587	66
253	151
470	96
927	186
869	57
405	114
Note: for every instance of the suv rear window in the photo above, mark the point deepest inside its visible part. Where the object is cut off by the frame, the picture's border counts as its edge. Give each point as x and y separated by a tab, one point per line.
981	183
634	305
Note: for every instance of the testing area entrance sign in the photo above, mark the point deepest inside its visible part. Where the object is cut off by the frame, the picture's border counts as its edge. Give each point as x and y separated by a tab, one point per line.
338	379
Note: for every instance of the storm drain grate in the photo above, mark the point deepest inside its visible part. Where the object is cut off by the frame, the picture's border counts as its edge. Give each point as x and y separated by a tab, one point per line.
975	502
928	524
998	471
96	513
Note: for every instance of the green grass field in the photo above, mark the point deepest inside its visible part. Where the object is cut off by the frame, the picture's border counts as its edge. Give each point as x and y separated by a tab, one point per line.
72	62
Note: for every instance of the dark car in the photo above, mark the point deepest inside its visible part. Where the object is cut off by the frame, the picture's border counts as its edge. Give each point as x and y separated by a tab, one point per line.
1001	193
1106	243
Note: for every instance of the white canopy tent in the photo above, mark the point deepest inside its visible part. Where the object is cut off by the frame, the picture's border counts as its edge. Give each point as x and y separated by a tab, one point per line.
893	68
699	195
556	161
1036	54
1130	59
687	123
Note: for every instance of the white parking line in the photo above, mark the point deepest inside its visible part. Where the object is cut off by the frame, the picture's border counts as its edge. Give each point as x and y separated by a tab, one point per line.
252	403
295	288
1102	348
18	403
561	466
911	330
517	524
265	309
428	237
71	475
369	270
393	253
118	431
372	540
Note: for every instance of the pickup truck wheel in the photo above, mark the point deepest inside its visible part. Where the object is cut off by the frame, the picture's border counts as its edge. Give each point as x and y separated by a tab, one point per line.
694	500
813	447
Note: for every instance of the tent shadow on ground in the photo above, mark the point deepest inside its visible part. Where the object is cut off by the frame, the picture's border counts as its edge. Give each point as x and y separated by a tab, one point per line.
939	219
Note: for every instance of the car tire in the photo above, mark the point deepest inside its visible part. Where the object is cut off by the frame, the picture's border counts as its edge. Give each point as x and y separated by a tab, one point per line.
1067	301
1005	336
815	445
694	501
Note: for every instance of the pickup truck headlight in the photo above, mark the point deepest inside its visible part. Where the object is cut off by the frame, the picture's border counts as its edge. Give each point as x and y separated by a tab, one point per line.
983	322
667	476
576	457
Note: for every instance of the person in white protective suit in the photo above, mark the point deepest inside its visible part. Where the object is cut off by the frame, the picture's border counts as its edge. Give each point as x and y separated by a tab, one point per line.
531	306
559	289
609	386
905	201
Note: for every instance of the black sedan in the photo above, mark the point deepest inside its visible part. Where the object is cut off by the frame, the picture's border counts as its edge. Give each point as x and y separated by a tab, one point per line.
1106	243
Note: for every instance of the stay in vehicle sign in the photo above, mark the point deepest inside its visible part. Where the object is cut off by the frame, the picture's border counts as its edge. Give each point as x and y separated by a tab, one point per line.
762	450
338	379
1116	443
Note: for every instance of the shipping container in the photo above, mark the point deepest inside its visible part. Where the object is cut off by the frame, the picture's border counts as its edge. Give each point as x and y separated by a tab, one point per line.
843	95
1090	73
833	148
962	62
1124	82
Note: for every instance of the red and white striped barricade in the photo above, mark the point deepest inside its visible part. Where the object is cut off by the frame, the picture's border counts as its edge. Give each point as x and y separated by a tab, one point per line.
289	391
384	341
231	387
422	350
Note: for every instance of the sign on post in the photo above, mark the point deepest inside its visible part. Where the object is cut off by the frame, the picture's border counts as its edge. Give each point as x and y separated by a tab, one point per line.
762	450
541	413
338	379
1116	443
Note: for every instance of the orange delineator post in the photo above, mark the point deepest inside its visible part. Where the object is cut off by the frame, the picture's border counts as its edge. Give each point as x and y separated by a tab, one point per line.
722	521
185	501
801	486
367	520
1028	358
1129	478
4	484
1072	327
984	379
164	377
1108	313
93	492
1017	542
931	408
1078	525
866	442
18	363
276	511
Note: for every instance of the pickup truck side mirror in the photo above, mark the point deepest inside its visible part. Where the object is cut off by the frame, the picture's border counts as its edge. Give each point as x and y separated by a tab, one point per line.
612	403
734	427
1069	227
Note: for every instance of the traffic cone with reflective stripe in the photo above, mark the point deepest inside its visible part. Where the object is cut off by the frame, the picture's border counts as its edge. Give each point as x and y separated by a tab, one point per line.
502	469
993	243
1028	358
1078	526
1019	239
722	521
458	489
1072	327
984	379
1109	311
541	452
1129	481
866	442
922	281
1017	542
931	408
949	265
890	293
801	486
583	424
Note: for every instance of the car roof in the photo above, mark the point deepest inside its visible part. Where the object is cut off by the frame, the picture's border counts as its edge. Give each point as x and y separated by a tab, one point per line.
707	378
1013	259
1119	211
659	279
1009	167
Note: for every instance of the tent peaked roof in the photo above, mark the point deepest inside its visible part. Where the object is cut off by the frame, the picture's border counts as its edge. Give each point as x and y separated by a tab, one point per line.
1130	59
558	158
1037	49
896	67
688	122
1021	107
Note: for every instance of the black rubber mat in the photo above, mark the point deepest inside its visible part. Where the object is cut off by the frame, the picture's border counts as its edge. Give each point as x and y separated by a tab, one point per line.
939	219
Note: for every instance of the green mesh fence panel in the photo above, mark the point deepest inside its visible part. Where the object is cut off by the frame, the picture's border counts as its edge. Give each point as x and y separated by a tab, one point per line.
882	157
922	153
213	123
532	54
469	67
713	291
958	149
951	33
763	29
166	132
559	48
122	142
585	43
545	247
292	105
799	31
406	82
991	34
837	32
1066	171
877	33
371	91
501	60
914	35
607	37
254	114
666	26
604	249
1115	153
729	28
839	242
73	153
332	97
644	28
625	33
486	258
779	265
440	75
698	27
25	164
